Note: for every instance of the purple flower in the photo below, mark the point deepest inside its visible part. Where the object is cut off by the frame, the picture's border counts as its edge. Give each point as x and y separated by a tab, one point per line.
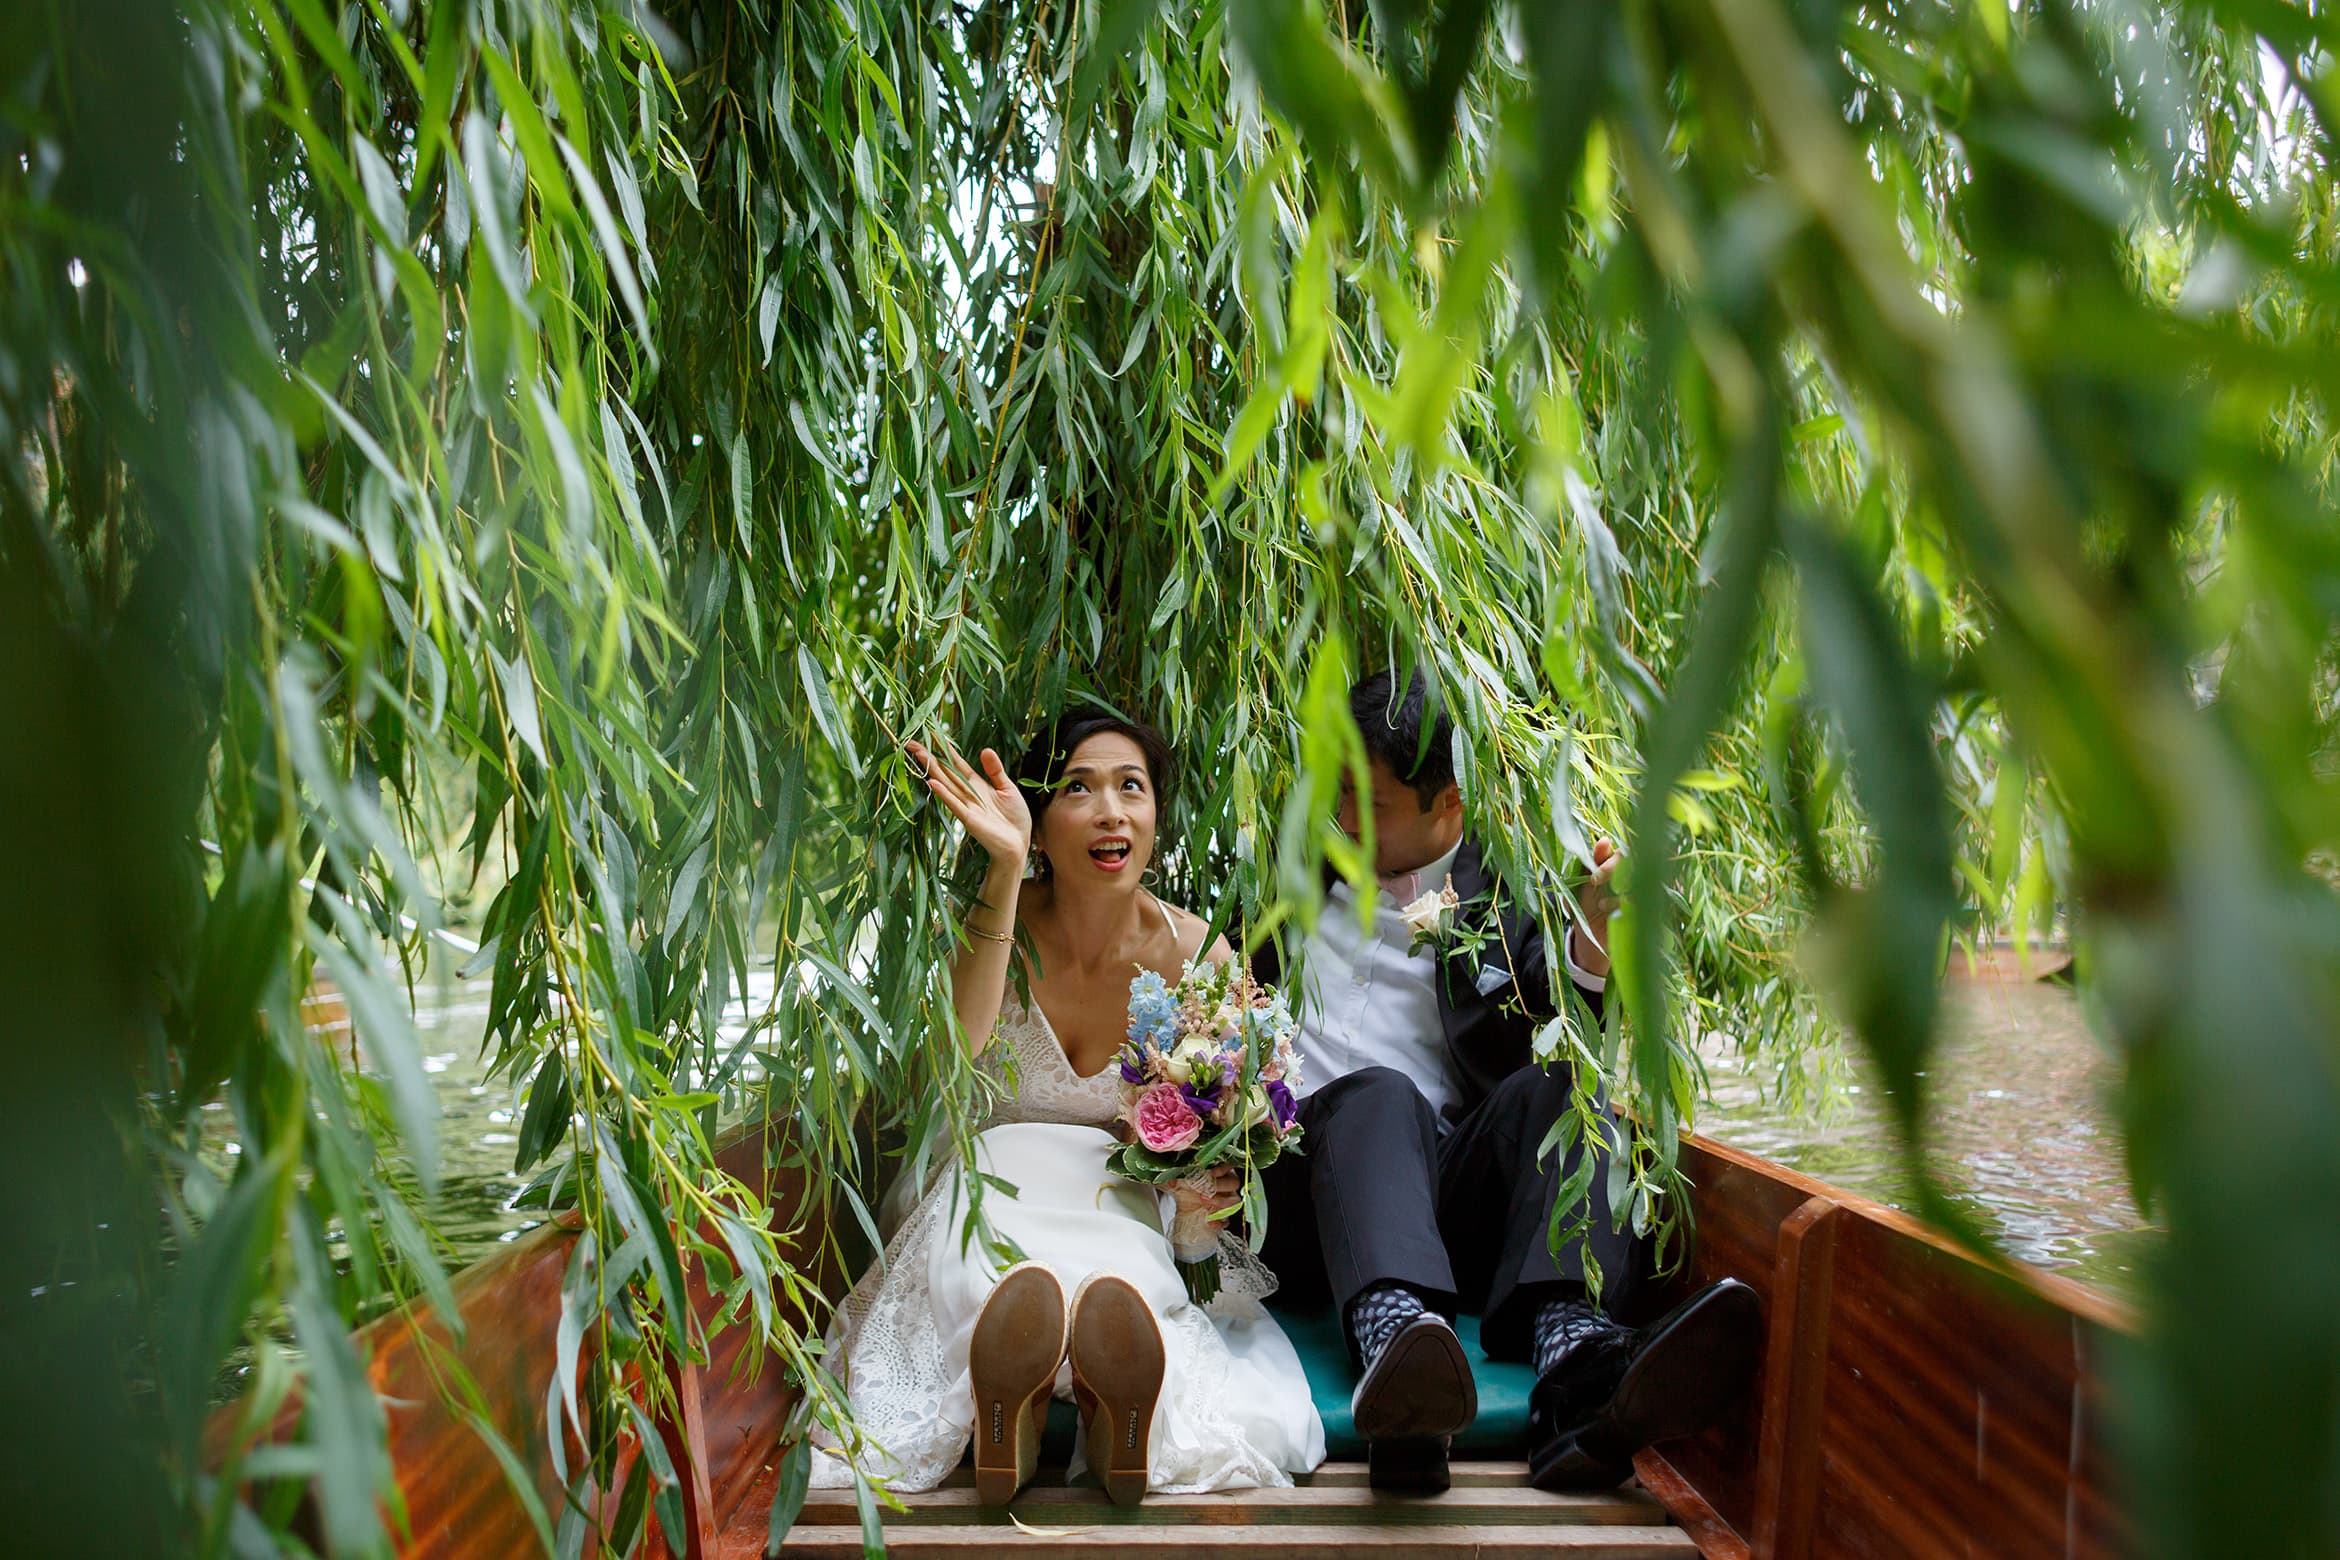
1130	1073
1281	1101
1202	1101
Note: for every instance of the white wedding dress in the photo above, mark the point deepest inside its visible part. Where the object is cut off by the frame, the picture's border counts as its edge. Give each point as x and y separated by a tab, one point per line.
1234	1410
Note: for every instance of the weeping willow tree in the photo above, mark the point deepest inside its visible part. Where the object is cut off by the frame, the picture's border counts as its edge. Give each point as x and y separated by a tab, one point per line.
526	466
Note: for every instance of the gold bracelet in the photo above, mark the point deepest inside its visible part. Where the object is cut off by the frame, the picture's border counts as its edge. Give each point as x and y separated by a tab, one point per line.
1004	939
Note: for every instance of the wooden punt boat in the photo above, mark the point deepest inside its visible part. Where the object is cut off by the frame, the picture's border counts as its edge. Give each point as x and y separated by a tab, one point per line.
1912	1402
2006	964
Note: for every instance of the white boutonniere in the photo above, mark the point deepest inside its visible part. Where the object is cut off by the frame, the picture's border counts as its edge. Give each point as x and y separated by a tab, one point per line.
1430	919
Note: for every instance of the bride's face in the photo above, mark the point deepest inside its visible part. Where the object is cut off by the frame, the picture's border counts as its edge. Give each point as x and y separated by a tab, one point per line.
1099	826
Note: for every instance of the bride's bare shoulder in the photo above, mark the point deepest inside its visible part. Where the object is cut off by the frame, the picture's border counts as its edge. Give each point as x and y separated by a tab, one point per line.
1191	929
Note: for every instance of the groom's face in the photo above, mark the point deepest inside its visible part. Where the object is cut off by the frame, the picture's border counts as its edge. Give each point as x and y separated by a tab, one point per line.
1407	836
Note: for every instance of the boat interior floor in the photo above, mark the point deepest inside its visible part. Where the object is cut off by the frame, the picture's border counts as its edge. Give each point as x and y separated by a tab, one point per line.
1490	1510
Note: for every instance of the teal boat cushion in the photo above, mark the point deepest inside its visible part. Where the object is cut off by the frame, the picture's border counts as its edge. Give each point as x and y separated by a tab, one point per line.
1499	1431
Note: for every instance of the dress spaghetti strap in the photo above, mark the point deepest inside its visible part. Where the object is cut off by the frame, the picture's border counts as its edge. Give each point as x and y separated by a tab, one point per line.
1171	922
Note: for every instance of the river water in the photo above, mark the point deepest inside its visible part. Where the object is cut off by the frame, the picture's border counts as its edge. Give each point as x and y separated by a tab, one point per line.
2024	1135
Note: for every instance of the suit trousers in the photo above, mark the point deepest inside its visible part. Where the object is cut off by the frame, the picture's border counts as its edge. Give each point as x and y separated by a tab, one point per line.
1378	1195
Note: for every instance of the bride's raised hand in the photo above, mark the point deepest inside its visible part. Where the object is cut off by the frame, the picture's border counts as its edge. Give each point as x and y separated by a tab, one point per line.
987	805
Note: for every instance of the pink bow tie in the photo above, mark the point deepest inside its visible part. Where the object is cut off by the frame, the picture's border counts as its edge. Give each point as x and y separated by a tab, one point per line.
1404	887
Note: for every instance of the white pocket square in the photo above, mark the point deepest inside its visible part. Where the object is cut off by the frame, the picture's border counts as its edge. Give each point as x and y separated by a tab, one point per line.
1492	978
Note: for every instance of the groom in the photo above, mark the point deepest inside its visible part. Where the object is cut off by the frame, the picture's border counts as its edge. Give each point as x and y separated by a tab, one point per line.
1420	1189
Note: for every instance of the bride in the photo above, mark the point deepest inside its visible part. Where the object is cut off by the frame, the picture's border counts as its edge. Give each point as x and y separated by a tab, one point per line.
940	1345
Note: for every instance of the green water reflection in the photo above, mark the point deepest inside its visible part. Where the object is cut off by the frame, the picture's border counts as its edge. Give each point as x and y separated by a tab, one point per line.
2023	1131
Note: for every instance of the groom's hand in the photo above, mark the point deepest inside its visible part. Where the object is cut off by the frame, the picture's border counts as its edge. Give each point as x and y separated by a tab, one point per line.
1596	901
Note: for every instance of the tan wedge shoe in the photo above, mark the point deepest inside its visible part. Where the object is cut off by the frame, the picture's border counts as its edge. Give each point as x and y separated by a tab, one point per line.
1117	1363
1012	1357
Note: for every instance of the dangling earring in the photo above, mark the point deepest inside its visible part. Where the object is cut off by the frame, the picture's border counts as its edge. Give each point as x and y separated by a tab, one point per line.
1037	868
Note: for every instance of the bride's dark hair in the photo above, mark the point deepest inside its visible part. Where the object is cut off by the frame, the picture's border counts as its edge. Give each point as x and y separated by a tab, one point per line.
1042	765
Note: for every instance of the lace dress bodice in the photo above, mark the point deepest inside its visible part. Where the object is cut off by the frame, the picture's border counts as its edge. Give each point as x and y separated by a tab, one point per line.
1038	1077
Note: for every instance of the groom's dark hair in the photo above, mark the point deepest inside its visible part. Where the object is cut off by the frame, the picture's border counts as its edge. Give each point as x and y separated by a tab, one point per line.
1406	732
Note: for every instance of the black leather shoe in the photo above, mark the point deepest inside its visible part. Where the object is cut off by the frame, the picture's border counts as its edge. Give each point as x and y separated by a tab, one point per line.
1413	1398
1614	1395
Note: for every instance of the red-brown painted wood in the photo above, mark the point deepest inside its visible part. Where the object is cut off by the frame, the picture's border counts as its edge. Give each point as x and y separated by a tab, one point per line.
1916	1401
1715	1538
684	1430
1788	1446
1935	1365
744	1398
1738	1210
2005	964
456	1498
725	1420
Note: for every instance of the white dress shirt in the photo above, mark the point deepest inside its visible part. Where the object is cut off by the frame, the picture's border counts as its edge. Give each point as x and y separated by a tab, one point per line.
1364	1001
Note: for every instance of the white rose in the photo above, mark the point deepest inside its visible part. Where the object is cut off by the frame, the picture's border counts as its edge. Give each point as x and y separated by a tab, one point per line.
1431	916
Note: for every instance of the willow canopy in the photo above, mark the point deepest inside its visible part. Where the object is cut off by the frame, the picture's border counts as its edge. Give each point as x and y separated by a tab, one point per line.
523	466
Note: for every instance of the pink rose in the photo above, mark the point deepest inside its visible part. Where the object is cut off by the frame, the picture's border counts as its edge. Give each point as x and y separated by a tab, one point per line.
1165	1122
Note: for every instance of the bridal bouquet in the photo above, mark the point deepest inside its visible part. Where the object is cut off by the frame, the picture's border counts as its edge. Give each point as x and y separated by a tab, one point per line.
1207	1080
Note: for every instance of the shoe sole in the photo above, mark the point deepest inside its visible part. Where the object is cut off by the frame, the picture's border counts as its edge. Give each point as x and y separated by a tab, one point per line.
1117	1359
1673	1388
1439	1397
1018	1342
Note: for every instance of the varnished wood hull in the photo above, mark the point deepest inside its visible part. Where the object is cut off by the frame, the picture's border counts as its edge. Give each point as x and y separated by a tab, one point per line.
1913	1402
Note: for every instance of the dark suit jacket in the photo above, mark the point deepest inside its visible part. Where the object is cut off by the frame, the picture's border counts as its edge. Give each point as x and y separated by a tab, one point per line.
1492	1001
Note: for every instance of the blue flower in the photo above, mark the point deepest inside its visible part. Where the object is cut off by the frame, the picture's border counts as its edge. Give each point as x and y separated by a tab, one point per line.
1153	1012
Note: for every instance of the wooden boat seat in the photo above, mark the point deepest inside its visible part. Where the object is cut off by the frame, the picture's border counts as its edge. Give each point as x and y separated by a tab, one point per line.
1490	1510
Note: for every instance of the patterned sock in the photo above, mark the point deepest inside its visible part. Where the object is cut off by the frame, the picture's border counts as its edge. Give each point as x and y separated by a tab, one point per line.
1377	1314
1563	1324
